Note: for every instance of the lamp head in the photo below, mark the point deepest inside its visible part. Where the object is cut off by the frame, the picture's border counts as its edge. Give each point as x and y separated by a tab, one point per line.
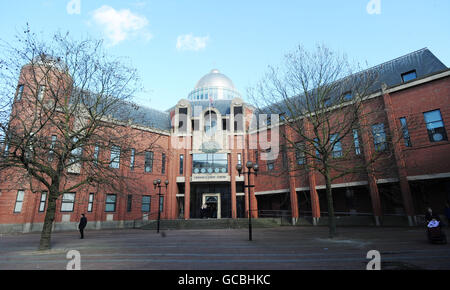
255	167
239	168
166	182
249	164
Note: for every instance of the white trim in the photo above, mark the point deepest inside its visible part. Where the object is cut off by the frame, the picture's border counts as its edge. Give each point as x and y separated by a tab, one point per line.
180	195
302	188
272	192
429	176
240	194
387	180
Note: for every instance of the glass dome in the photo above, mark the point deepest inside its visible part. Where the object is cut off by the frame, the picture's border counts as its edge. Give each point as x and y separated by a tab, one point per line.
215	86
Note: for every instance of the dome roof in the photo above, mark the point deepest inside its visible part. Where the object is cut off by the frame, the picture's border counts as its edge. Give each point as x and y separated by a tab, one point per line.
215	79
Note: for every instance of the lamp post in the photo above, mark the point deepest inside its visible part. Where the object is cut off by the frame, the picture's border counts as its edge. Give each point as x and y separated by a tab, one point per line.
157	183
255	168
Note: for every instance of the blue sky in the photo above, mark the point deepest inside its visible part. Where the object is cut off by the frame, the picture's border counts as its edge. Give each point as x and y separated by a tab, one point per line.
173	43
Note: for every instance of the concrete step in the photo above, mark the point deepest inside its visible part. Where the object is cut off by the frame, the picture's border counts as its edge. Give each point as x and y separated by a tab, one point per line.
211	224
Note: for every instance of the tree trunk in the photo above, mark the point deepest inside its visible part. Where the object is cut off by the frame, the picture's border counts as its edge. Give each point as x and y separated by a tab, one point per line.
331	217
46	233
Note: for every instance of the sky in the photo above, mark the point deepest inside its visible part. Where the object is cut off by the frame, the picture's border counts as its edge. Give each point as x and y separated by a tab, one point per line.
173	43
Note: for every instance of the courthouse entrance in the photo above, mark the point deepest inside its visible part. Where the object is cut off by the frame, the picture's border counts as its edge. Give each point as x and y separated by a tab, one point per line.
213	205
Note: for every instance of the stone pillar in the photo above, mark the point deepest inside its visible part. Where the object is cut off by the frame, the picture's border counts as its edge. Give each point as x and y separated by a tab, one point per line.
187	186
368	152
291	166
233	156
315	204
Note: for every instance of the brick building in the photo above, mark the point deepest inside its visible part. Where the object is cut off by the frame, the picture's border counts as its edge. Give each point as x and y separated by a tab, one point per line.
202	138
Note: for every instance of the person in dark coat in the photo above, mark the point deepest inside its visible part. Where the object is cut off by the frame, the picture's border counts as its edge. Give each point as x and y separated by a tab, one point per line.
82	225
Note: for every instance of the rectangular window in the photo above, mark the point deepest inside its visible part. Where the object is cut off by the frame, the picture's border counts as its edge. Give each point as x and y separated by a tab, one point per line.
182	120
284	156
181	163
238	119
90	202
408	76
41	93
133	152
148	161
96	153
435	126
129	202
43	201
163	163
146	199
161	203
115	157
337	148
348	96
209	163
6	148
405	131
19	201
316	146
110	203
239	159
68	201
379	137
300	153
19	92
51	152
356	142
270	165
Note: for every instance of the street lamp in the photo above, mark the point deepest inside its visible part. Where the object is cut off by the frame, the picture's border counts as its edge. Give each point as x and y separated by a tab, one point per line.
157	183
255	167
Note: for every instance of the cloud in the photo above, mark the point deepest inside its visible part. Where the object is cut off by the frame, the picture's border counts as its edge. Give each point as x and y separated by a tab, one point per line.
118	25
189	42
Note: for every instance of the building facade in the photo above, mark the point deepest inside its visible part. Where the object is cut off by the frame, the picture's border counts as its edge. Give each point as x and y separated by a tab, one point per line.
203	137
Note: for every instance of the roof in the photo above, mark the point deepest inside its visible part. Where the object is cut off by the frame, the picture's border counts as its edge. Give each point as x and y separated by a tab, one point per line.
422	61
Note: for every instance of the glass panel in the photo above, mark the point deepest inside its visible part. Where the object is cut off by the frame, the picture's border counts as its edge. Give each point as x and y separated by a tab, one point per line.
409	76
115	156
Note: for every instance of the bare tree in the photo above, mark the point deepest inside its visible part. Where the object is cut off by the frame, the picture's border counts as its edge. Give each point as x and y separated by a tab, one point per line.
323	101
72	104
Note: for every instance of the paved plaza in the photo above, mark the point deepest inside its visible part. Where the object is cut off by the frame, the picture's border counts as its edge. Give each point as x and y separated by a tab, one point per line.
279	248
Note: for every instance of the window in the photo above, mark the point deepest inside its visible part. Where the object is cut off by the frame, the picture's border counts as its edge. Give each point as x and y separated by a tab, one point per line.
239	159
210	123
161	203
348	96
316	146
41	93
148	161
115	157
181	163
300	153
408	76
75	156
90	202
379	137
163	163
110	203
6	149
182	120
238	119
146	199
210	163
356	142
405	131
337	147
96	153
435	126
68	201
19	93
19	201
270	165
51	152
133	152
129	202
43	201
284	156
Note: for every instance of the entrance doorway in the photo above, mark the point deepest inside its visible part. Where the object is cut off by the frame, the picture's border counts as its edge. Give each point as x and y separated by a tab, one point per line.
212	202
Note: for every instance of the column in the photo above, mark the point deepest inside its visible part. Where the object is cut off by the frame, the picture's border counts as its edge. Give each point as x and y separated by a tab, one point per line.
399	160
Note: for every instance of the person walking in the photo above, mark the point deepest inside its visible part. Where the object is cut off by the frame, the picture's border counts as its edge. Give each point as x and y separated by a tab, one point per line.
82	225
